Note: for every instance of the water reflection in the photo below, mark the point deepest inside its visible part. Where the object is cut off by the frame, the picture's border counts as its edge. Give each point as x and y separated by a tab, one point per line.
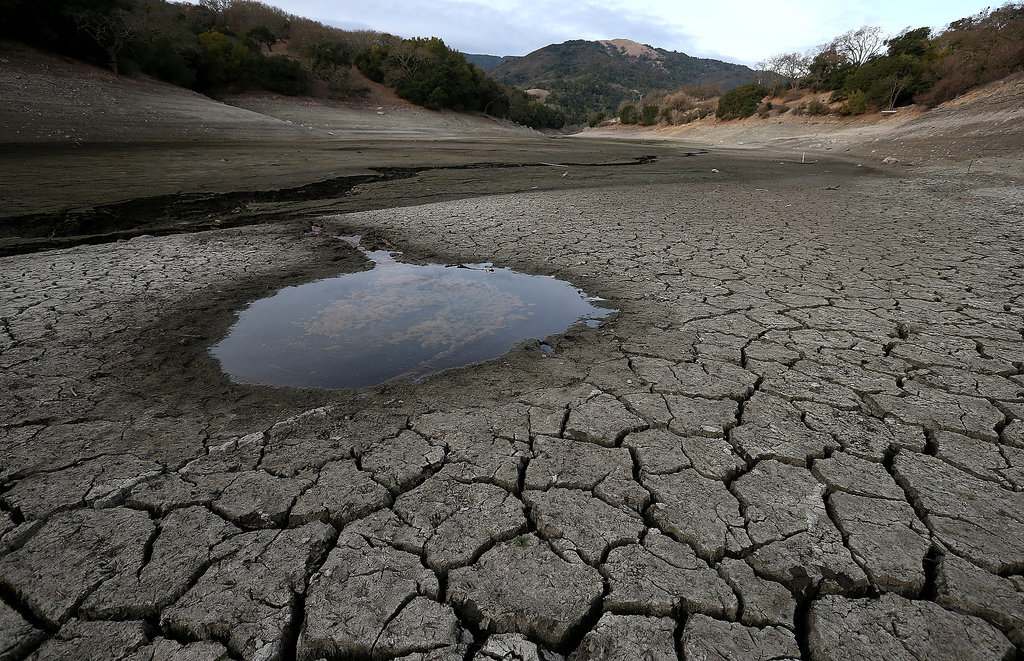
395	321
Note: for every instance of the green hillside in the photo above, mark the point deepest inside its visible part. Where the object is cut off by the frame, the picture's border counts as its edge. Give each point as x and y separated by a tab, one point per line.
586	76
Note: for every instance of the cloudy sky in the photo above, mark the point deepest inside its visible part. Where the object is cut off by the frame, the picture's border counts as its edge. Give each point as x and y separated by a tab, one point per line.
743	31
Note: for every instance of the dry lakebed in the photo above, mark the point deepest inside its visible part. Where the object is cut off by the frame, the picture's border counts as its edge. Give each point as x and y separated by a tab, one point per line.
793	432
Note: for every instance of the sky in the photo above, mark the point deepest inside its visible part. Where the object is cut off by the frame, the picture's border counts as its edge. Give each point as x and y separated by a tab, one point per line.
743	31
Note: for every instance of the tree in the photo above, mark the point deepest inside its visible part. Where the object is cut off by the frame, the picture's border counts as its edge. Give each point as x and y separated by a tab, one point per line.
244	15
628	114
860	45
895	85
888	81
226	61
164	45
649	114
856	104
428	73
50	24
741	101
261	35
829	68
494	97
526	110
372	61
325	58
786	68
279	73
405	60
330	61
911	43
109	30
218	7
973	51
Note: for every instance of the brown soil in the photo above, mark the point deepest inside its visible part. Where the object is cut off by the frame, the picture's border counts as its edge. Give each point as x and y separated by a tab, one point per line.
983	130
792	315
91	157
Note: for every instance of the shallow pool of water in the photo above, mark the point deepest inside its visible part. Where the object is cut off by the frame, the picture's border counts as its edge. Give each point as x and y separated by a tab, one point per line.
395	321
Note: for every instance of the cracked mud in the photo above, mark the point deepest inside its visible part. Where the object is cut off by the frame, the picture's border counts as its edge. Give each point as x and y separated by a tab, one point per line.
801	438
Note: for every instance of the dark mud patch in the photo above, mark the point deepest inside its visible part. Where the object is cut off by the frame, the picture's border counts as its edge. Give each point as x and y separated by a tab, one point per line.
164	369
163	215
166	366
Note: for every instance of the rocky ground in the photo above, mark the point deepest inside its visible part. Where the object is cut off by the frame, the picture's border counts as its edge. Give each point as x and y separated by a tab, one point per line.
800	437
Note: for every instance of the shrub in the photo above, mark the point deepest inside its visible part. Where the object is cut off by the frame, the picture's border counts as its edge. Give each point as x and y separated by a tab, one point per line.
279	73
675	105
528	111
372	61
950	83
425	72
857	104
163	58
741	101
648	114
261	36
817	107
595	118
325	57
888	81
226	60
628	114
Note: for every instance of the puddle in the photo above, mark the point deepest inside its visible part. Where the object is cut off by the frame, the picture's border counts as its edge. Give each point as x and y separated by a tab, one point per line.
396	321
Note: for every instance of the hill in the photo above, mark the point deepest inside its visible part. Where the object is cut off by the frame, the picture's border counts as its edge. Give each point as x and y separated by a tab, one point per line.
487	62
55	100
585	76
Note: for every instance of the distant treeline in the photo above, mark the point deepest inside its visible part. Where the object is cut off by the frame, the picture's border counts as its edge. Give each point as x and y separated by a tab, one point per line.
428	73
865	71
225	45
862	70
586	77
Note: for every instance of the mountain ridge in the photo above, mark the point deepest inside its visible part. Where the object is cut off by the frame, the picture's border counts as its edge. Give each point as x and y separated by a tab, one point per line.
587	76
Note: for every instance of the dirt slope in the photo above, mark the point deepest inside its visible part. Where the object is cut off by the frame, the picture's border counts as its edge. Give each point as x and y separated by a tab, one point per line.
983	130
49	99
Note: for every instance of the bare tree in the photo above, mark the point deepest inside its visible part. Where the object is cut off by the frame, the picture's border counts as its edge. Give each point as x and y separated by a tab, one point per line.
244	15
858	46
896	84
363	39
110	30
785	68
216	6
405	59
